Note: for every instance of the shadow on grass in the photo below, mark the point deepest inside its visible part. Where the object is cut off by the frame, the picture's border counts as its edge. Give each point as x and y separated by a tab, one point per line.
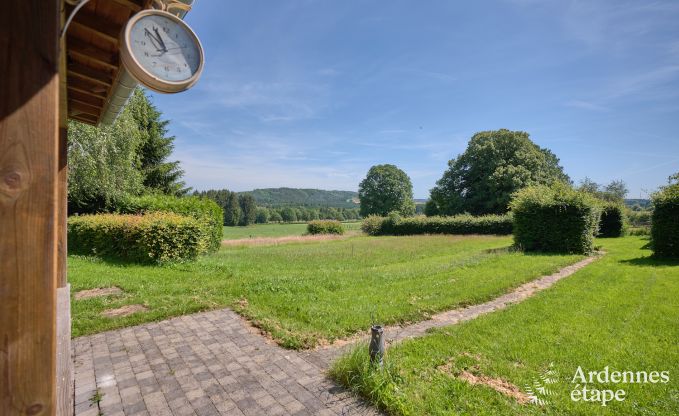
651	261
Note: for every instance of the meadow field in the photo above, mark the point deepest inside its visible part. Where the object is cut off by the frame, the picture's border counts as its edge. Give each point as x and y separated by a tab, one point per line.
311	292
619	312
276	230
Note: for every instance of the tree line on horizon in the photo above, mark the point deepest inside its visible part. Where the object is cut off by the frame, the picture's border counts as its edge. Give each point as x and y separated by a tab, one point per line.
241	209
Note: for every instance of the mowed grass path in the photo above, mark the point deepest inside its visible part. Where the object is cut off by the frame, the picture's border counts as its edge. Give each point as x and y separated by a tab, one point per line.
275	230
303	293
621	311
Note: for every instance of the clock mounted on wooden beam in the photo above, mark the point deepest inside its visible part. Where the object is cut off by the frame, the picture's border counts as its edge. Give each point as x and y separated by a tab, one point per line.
161	51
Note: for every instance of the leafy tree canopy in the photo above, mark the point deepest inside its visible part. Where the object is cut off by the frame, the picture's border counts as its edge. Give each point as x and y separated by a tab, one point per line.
103	165
494	166
386	188
615	191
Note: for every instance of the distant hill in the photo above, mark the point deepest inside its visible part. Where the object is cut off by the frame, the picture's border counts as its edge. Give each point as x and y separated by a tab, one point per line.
277	197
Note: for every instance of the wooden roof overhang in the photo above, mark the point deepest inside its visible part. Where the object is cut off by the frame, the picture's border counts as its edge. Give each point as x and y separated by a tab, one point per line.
97	85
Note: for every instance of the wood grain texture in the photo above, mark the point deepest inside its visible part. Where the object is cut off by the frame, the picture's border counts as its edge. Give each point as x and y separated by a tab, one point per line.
29	123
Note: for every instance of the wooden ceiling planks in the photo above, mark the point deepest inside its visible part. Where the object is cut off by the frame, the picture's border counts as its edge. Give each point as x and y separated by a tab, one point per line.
92	50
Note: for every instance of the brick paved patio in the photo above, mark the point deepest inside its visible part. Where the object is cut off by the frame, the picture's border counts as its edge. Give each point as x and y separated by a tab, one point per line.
203	364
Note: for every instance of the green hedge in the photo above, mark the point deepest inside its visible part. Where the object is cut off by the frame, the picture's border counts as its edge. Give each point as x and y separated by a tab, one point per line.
665	223
458	224
325	227
156	237
613	221
207	212
555	219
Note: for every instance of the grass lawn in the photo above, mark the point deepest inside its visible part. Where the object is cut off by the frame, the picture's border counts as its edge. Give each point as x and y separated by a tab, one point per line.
275	230
621	311
305	292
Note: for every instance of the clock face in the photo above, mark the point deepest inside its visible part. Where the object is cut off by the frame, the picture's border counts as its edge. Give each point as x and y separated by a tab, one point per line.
161	51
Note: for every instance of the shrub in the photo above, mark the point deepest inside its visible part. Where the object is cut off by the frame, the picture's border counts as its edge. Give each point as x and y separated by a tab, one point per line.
204	210
665	223
458	224
613	222
555	218
325	227
155	237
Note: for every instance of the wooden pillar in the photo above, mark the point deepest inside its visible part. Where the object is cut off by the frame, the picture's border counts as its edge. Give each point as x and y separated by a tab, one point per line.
64	364
29	121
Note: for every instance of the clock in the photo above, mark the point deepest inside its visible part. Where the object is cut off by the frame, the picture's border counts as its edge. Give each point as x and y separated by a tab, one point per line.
161	51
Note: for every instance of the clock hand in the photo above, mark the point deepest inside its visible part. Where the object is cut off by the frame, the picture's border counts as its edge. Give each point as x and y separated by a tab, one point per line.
160	38
153	39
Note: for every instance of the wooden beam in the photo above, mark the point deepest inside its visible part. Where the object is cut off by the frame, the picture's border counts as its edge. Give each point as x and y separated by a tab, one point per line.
85	72
84	108
97	25
84	118
132	5
83	50
29	123
81	89
85	98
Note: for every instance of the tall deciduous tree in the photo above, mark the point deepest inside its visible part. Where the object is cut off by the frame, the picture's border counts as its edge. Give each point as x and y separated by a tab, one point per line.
103	164
386	188
248	209
232	210
494	166
159	174
615	191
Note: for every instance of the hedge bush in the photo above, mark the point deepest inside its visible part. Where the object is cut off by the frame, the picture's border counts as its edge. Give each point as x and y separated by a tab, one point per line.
156	237
458	224
205	211
325	227
555	219
613	221
665	223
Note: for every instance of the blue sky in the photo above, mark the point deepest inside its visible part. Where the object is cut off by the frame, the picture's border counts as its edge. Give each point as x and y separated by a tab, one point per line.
311	93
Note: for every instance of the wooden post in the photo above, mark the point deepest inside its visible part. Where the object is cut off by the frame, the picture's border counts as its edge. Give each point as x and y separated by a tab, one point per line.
29	121
64	364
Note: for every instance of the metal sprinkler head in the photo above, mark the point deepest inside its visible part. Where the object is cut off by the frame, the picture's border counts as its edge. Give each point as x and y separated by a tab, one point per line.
376	347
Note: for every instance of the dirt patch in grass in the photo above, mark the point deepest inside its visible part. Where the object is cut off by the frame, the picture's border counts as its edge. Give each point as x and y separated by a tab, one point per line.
124	311
497	384
263	241
98	292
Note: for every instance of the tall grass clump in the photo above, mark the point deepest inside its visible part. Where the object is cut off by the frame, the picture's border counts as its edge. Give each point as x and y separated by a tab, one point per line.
378	384
665	222
555	218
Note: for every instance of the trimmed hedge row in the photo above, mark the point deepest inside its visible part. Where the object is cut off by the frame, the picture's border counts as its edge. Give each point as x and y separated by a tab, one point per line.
209	215
325	227
555	219
458	224
152	238
665	224
613	222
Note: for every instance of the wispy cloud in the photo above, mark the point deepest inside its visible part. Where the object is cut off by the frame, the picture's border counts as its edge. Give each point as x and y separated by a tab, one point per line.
586	105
